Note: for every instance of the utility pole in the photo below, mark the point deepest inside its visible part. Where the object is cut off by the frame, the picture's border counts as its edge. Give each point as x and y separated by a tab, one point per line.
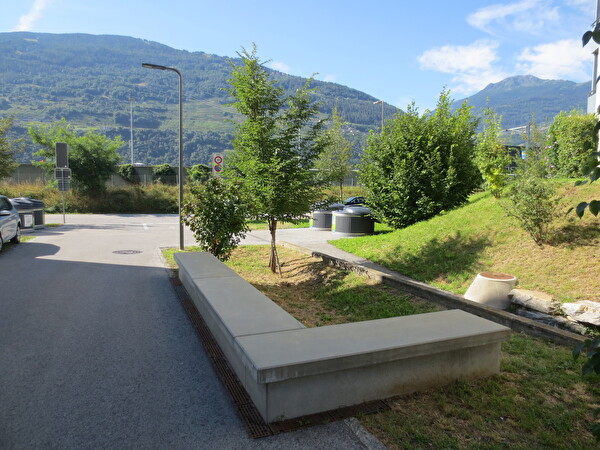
131	127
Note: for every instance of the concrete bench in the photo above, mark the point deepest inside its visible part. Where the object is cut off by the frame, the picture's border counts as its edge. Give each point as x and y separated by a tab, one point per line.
291	371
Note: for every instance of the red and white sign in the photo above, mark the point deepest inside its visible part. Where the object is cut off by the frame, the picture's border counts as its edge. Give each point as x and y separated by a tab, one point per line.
217	163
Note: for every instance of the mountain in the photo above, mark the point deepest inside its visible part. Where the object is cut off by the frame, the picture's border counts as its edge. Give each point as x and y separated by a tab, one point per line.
517	98
89	80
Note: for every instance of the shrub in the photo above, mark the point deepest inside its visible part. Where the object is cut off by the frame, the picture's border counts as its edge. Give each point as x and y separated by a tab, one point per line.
128	173
216	216
532	202
164	173
199	173
420	164
572	140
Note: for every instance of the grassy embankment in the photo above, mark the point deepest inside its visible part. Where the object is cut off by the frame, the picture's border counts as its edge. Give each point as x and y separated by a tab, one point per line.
449	250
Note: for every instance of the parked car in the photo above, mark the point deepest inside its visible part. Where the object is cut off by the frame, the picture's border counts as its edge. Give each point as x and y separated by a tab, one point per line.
355	201
10	223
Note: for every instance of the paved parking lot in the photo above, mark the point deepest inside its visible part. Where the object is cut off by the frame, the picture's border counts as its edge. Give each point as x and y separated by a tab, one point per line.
97	352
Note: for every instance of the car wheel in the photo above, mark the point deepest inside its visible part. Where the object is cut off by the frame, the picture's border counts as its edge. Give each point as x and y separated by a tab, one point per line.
0	242
17	237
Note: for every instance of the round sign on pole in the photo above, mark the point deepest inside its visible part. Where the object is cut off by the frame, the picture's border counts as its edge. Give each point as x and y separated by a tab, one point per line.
217	163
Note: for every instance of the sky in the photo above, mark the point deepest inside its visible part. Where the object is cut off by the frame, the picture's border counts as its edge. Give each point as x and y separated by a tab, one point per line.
395	50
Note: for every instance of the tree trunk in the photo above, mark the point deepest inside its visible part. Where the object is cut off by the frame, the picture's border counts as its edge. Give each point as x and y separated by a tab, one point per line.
342	191
273	257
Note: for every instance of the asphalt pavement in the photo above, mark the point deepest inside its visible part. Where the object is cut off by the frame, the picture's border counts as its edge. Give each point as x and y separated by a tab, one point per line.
97	352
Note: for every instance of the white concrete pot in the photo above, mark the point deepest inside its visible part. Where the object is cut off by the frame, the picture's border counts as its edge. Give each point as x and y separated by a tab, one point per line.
491	289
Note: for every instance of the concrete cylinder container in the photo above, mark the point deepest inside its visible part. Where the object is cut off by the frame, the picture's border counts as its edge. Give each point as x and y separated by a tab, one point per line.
491	289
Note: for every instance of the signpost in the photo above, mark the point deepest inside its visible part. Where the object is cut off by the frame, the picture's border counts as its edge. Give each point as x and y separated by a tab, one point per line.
217	164
62	173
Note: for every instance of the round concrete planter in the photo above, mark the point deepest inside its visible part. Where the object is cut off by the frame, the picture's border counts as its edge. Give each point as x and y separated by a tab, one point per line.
491	289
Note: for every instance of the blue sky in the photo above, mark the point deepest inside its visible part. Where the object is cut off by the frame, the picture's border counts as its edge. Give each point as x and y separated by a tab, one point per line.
398	51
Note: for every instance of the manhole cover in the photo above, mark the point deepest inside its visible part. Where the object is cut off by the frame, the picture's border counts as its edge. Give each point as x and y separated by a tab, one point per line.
127	252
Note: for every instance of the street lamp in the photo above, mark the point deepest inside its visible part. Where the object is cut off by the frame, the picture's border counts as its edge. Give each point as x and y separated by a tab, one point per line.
377	103
173	69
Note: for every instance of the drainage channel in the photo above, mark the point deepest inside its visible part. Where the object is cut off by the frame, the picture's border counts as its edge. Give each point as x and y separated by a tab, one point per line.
251	418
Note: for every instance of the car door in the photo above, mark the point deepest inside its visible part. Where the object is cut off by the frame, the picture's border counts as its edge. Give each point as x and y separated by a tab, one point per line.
8	224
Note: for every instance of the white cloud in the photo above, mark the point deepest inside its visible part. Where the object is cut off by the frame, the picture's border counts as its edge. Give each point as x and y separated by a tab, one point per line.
280	66
588	6
330	78
526	16
471	65
564	59
27	21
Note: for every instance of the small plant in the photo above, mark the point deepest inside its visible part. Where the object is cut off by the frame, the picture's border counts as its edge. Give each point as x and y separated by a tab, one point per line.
532	201
217	217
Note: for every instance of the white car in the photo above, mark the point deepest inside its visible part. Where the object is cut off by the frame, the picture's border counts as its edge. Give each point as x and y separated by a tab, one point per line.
10	222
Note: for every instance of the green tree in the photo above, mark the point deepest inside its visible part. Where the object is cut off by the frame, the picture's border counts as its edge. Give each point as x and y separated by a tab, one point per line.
571	141
8	149
216	215
93	157
333	164
274	147
420	164
491	156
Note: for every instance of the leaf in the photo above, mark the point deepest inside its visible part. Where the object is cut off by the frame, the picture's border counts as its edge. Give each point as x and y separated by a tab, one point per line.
594	207
586	38
578	348
580	182
596	35
580	209
569	211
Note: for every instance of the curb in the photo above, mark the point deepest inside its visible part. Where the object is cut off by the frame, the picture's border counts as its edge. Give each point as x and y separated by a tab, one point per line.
449	300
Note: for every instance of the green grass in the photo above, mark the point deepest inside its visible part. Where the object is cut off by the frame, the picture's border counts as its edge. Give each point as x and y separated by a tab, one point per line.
450	249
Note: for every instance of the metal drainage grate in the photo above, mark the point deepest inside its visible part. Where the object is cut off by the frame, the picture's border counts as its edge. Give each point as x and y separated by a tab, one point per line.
255	425
127	252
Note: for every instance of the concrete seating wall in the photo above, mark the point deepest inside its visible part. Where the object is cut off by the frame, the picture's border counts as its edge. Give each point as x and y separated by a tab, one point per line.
290	371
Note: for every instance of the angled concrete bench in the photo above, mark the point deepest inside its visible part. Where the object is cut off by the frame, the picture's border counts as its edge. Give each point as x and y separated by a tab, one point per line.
291	371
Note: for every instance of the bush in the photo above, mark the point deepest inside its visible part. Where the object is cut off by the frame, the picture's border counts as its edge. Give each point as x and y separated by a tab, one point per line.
164	173
532	202
199	173
216	216
420	165
128	173
572	140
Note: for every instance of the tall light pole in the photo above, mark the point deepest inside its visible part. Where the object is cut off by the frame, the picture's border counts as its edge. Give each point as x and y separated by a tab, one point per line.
377	103
173	69
131	127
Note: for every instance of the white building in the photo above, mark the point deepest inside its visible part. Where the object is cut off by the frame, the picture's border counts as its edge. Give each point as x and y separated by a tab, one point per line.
593	47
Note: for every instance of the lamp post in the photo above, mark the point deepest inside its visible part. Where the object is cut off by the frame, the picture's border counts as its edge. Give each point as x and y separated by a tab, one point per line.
173	69
377	103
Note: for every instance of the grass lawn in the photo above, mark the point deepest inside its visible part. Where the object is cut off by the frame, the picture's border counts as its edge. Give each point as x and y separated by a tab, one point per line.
449	250
539	399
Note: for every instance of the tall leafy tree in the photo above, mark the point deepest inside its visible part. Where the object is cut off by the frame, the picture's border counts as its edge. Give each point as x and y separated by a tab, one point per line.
275	147
491	156
8	149
421	164
93	157
334	163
